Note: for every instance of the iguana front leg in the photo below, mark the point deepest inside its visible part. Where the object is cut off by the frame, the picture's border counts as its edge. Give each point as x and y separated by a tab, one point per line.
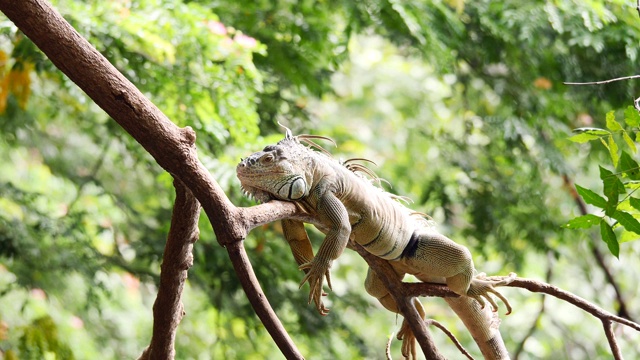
296	236
332	213
298	239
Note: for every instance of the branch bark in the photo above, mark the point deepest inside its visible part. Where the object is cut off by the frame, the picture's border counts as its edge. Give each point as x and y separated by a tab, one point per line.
607	318
405	304
172	147
177	259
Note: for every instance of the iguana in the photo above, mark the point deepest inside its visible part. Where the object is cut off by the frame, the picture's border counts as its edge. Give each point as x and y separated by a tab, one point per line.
347	206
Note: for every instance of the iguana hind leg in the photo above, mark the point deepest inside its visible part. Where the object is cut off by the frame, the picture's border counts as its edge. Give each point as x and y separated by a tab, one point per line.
436	256
376	288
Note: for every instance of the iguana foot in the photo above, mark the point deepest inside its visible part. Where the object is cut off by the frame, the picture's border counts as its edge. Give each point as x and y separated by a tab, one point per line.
409	349
481	287
315	275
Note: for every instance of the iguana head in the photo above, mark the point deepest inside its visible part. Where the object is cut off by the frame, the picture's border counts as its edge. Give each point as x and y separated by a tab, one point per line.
277	172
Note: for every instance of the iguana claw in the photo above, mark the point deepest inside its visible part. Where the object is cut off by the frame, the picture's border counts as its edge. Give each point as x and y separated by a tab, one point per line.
408	349
315	276
481	286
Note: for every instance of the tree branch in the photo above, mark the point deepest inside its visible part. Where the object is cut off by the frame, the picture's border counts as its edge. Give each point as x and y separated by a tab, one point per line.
603	81
405	304
176	261
172	147
636	102
607	318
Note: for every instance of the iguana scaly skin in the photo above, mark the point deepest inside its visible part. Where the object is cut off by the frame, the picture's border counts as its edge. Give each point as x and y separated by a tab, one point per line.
348	207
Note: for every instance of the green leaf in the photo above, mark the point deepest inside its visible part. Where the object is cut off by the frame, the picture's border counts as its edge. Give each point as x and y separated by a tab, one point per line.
583	222
613	151
629	141
612	124
632	184
592	131
583	138
609	176
587	134
591	197
612	187
627	220
635	203
627	236
609	237
631	116
628	166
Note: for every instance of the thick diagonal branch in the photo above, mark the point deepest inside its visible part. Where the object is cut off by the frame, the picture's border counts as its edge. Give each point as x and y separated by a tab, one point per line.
176	260
172	147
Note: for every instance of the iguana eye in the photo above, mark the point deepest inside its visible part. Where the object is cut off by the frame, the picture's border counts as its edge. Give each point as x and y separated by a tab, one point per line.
267	158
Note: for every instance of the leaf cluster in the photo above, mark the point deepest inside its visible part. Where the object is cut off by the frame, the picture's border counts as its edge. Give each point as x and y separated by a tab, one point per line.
618	208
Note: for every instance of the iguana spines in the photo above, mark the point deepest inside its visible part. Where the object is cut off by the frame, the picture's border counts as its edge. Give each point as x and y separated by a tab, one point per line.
347	206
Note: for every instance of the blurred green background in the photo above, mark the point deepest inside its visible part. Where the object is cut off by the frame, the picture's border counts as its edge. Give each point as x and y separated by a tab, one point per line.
460	103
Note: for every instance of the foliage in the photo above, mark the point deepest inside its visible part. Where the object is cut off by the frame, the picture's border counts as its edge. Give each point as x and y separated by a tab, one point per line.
623	183
460	103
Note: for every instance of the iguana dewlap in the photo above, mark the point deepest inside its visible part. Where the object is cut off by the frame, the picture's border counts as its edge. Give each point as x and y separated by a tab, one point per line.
348	206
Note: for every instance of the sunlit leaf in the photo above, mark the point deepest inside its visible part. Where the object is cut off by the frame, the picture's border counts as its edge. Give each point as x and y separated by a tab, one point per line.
583	222
629	141
584	137
627	236
631	116
613	151
612	124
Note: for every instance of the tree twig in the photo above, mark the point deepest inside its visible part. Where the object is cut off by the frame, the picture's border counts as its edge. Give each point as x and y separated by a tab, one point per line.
428	289
636	102
176	260
611	338
603	81
452	337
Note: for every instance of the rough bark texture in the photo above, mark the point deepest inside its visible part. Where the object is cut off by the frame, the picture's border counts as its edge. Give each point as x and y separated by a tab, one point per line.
172	147
405	304
176	261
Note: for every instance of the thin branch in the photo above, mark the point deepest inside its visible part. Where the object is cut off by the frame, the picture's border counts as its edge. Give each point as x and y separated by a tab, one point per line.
176	261
451	336
429	289
603	81
636	102
593	309
611	338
